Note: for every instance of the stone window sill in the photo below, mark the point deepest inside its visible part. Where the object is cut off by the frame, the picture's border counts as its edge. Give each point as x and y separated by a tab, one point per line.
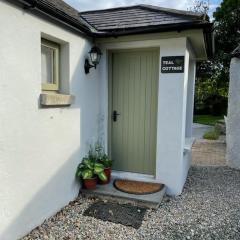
56	100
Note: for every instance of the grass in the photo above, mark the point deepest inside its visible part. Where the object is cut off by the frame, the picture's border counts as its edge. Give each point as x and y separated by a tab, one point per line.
206	119
212	134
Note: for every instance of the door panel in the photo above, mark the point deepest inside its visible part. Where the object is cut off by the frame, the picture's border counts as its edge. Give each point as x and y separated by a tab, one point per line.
134	97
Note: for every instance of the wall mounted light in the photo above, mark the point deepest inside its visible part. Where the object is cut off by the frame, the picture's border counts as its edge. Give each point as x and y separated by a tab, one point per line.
95	56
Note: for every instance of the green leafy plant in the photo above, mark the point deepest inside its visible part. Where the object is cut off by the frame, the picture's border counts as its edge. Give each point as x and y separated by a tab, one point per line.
89	168
212	134
100	156
105	160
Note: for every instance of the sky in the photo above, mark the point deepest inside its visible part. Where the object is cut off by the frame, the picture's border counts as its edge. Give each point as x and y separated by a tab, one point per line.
85	5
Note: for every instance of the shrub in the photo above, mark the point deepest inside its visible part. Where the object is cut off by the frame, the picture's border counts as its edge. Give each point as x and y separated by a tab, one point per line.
212	134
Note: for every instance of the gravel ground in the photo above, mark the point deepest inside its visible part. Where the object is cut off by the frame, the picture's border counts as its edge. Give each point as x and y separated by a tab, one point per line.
209	208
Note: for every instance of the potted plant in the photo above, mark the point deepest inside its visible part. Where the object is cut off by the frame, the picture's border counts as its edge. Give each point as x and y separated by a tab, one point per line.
107	163
102	157
88	170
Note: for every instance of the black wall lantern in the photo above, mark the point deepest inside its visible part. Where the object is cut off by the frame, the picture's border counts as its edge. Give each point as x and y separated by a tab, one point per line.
95	55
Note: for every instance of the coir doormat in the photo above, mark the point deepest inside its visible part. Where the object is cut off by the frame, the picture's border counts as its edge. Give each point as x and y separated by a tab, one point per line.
136	187
125	214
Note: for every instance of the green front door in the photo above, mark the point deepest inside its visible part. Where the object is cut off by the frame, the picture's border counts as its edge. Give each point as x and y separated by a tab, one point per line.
133	94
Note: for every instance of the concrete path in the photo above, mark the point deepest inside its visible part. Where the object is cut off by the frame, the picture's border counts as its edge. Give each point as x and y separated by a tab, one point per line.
209	152
199	130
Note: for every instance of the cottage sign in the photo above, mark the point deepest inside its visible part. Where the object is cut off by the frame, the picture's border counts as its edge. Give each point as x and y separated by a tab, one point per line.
173	64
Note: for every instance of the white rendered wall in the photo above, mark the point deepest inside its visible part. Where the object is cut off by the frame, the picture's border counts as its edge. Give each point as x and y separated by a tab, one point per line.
40	148
190	98
189	103
233	118
171	168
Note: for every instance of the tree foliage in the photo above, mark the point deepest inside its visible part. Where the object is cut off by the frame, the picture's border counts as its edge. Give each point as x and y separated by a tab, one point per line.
200	6
213	75
227	29
227	35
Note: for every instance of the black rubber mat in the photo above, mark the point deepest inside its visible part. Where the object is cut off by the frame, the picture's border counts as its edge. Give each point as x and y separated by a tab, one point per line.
125	214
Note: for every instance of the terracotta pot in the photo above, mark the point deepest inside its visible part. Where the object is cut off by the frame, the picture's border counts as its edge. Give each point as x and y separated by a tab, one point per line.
90	183
107	171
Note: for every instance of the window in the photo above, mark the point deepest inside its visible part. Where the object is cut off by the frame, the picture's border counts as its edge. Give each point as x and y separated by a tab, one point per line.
50	65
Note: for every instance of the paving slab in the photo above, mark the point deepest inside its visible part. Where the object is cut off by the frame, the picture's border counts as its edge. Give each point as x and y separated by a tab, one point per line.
209	152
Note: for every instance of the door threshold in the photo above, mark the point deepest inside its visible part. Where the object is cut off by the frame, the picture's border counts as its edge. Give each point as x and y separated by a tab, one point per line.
134	176
108	192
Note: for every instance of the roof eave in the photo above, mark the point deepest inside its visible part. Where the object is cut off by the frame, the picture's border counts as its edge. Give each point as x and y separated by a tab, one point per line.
209	40
205	26
157	28
64	19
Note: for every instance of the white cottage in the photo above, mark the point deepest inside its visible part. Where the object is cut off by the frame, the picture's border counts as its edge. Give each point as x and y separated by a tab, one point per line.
51	108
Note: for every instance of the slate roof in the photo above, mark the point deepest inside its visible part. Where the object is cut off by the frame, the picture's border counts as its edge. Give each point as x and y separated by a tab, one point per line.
57	9
139	16
121	21
62	7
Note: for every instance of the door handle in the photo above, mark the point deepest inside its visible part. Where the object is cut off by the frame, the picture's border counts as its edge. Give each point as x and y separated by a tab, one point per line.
115	114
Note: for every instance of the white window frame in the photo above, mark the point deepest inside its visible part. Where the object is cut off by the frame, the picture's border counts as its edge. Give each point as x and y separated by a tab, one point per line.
56	63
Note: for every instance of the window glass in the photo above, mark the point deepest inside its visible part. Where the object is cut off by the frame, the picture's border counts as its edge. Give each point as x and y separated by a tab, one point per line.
47	64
